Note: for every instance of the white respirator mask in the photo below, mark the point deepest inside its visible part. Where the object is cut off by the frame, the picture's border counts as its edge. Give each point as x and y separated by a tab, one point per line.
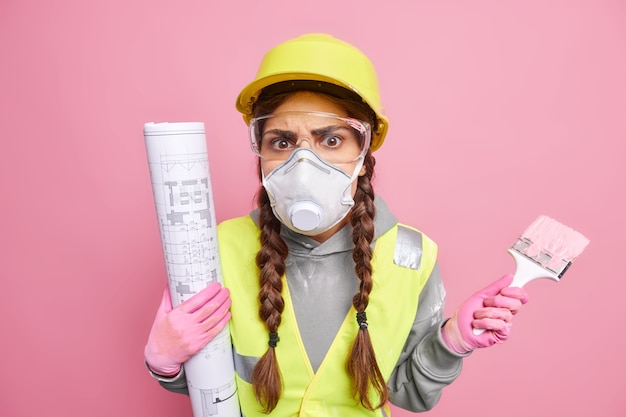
308	194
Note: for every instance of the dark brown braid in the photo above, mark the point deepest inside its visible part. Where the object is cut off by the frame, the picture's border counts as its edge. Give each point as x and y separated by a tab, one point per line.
270	259
362	365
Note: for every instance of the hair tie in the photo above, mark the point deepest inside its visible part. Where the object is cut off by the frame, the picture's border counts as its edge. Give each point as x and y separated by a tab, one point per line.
361	319
273	340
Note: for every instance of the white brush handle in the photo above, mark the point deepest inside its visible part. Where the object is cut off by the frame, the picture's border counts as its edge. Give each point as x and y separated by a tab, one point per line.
526	271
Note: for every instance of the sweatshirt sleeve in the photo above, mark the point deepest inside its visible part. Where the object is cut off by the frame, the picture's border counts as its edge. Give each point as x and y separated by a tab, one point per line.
176	383
425	365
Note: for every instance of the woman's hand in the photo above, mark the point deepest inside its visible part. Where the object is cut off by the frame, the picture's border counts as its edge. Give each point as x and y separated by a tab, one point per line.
178	334
491	309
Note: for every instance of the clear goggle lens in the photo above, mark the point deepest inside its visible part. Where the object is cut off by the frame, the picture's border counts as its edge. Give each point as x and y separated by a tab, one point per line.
336	139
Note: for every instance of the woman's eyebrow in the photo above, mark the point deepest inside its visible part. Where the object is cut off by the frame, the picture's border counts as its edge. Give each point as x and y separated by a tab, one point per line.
280	132
327	129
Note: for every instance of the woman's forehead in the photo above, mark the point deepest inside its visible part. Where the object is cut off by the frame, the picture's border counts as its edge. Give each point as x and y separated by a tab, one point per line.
307	101
302	121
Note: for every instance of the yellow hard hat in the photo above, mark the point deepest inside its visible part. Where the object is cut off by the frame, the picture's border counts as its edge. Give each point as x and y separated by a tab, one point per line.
318	57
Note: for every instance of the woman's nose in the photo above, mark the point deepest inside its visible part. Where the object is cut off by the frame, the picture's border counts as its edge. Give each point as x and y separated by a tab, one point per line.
304	142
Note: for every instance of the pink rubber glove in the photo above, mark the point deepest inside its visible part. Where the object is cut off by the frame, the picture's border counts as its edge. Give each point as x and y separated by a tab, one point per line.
178	334
492	309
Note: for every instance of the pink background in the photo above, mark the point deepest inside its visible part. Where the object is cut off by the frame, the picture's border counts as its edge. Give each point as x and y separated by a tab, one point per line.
500	112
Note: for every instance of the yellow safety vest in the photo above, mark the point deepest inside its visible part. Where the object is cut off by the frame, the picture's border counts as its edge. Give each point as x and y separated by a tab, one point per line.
327	392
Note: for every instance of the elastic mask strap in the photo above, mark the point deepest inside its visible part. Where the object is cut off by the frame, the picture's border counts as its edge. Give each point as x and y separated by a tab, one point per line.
357	168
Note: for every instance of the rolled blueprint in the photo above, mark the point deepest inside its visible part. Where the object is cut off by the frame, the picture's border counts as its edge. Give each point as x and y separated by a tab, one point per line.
179	170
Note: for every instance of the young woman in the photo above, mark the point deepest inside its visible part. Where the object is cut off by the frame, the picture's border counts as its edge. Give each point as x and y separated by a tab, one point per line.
337	308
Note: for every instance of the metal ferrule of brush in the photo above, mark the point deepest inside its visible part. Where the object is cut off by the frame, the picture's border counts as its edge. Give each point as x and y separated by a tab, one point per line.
543	258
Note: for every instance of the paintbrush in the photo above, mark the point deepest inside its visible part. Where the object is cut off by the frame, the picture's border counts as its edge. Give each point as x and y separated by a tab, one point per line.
546	249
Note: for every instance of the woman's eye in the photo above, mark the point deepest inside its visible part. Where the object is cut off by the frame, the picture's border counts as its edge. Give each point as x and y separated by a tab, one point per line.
281	143
332	141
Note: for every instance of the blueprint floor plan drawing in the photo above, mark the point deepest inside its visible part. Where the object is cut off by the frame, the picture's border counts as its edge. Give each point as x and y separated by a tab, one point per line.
181	184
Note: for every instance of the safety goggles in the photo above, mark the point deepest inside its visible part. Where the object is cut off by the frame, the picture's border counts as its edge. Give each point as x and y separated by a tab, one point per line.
336	139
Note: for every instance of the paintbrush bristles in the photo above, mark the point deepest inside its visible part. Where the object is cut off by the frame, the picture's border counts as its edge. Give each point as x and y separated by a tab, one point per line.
560	241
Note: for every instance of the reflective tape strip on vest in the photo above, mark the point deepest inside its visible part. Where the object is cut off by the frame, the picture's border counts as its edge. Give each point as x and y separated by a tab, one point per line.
402	262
